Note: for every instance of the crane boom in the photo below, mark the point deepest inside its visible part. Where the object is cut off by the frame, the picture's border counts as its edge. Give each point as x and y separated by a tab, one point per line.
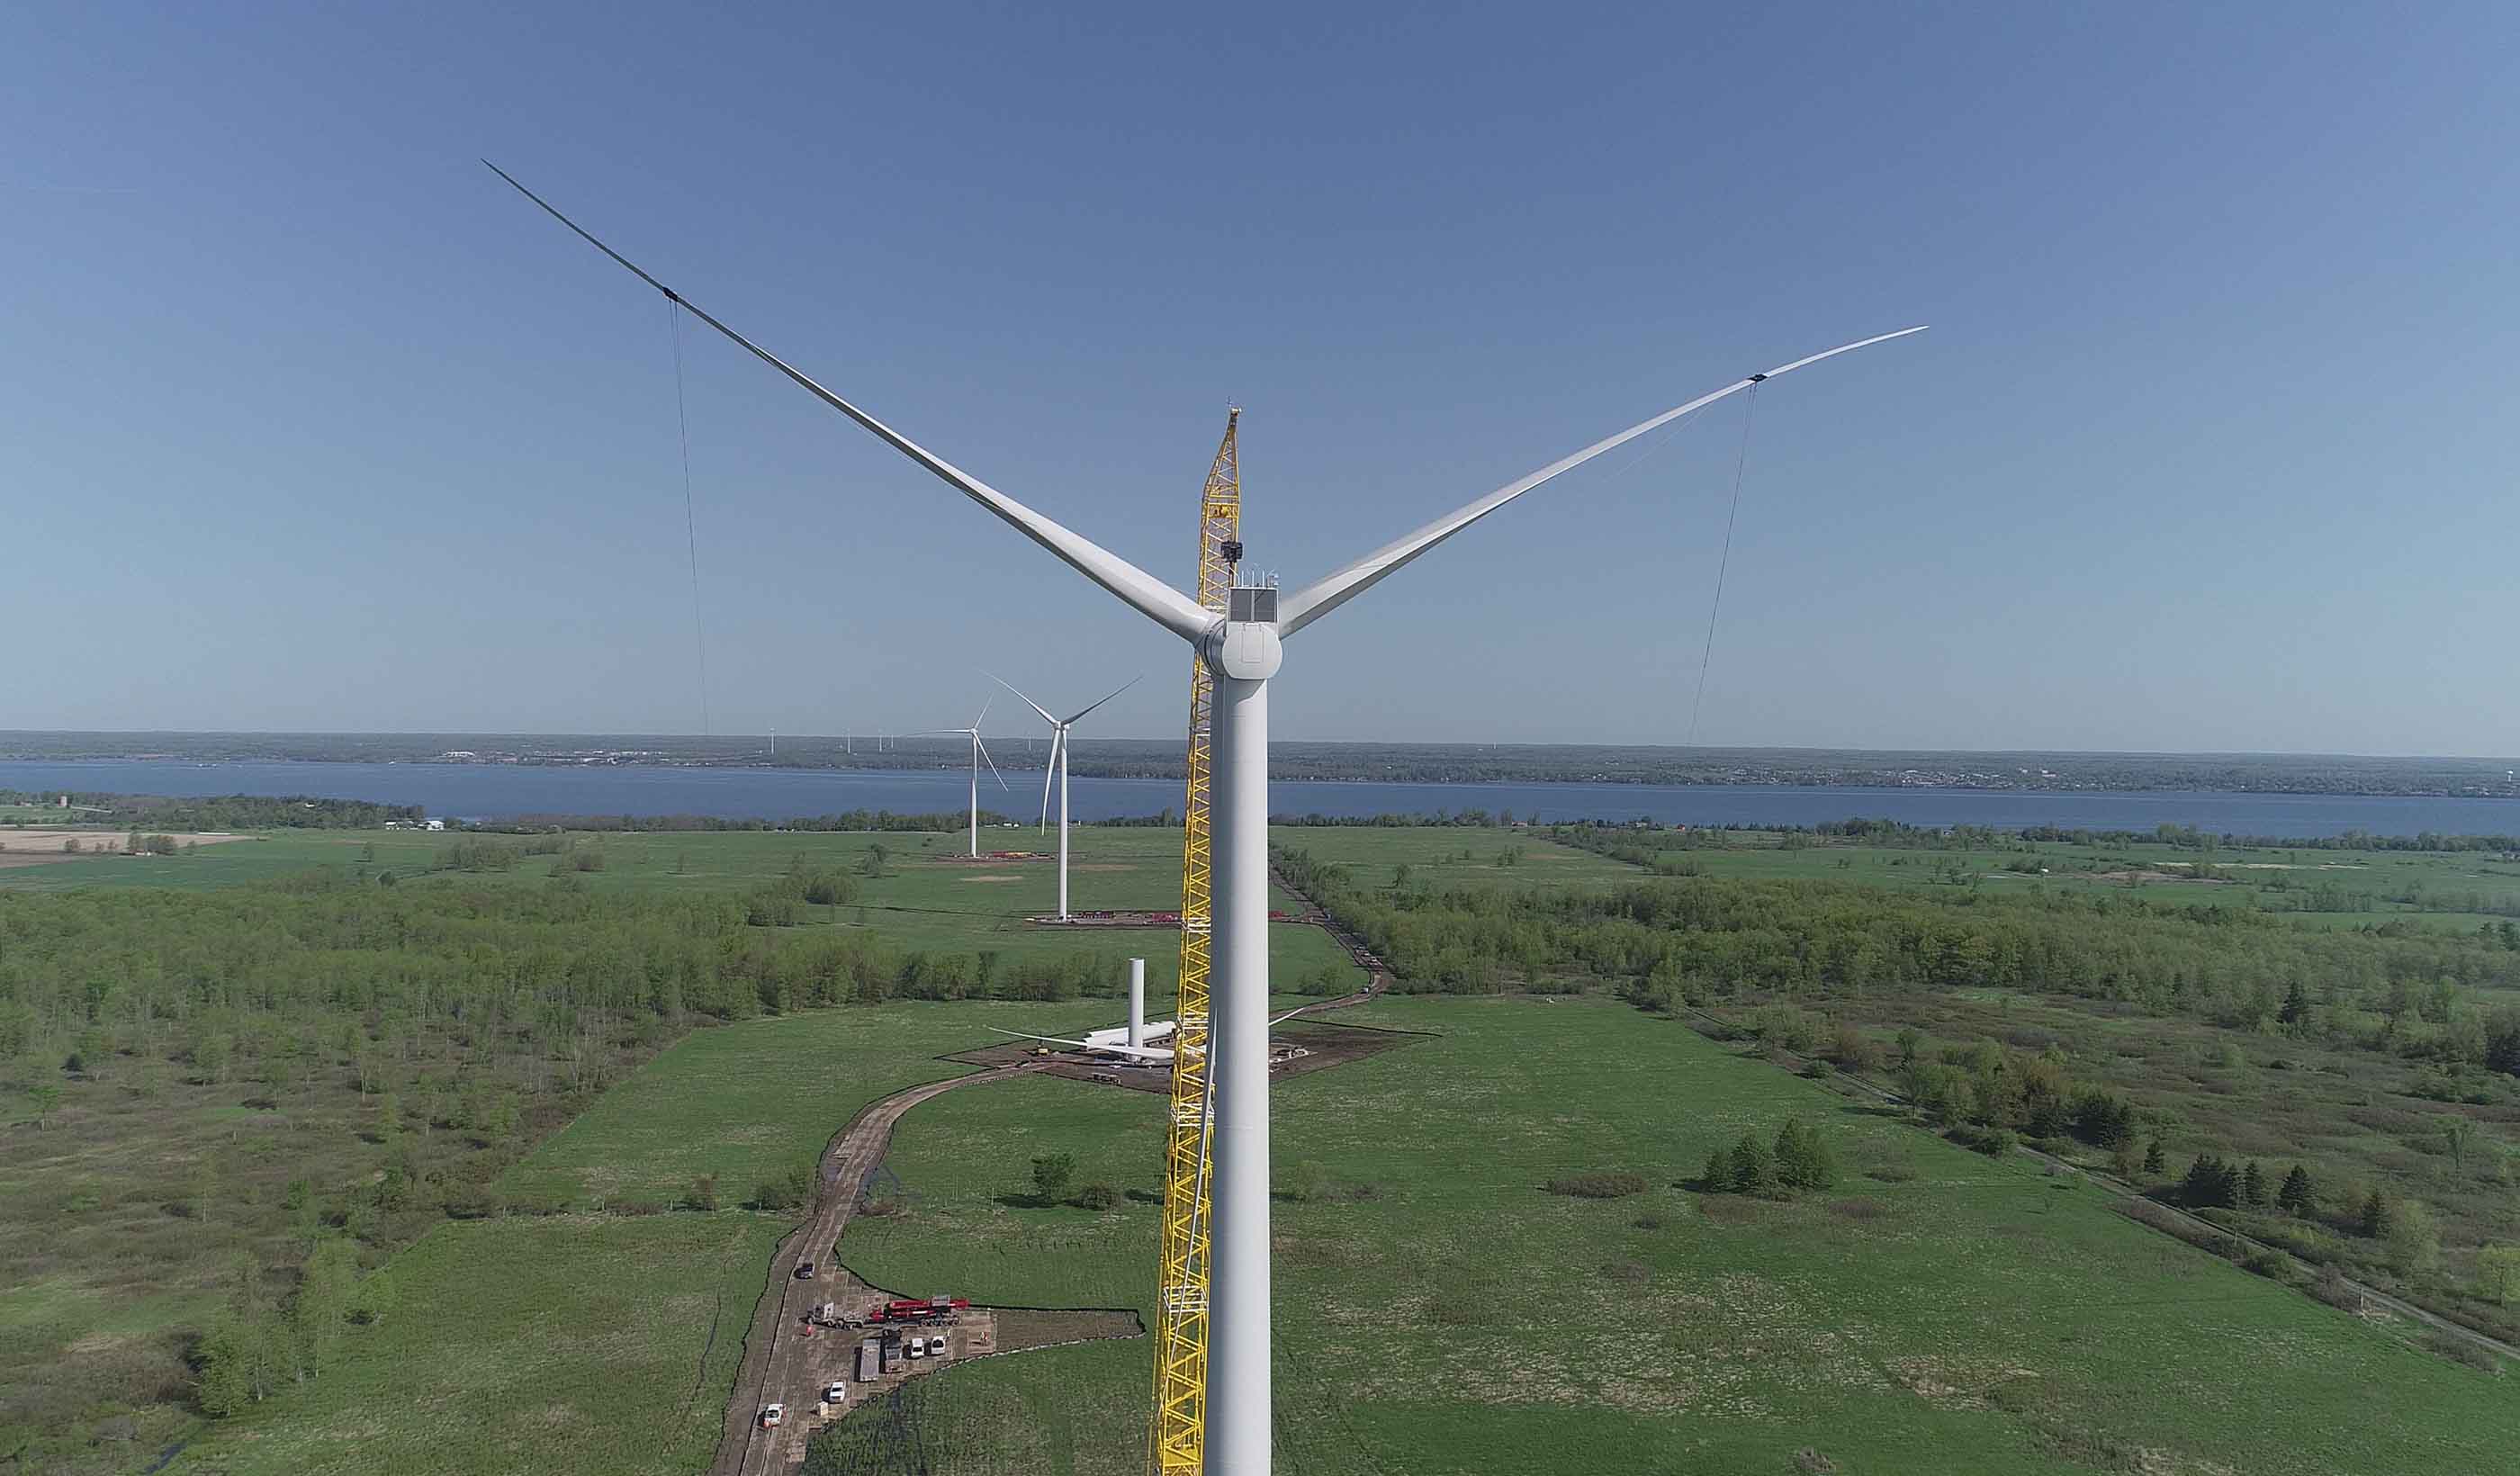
1177	1444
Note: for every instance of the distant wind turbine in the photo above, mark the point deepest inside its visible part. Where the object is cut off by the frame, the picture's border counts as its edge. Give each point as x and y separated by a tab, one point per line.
979	756
1058	765
1241	644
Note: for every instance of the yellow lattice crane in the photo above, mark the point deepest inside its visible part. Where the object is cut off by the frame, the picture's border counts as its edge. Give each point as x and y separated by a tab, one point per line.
1179	1440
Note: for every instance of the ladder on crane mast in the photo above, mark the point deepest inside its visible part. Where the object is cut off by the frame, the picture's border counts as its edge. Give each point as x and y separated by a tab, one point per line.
1178	1441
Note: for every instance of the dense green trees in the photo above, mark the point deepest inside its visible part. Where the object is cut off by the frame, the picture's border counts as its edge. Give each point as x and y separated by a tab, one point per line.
260	1343
1799	1158
260	982
1704	940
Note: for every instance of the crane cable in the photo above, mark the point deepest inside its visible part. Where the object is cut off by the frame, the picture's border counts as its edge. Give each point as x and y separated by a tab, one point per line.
690	523
1706	657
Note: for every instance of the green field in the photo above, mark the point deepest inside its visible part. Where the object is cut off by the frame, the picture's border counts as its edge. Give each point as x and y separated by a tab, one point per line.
1438	1312
1936	1310
572	1343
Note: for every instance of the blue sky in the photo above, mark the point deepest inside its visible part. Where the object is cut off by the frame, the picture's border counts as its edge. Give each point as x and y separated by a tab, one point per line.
307	423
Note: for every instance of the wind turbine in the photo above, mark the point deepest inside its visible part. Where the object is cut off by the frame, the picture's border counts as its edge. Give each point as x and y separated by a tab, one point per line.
1058	765
979	756
1242	647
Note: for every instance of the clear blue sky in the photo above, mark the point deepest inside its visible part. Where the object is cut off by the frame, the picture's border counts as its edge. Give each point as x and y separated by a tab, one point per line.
306	421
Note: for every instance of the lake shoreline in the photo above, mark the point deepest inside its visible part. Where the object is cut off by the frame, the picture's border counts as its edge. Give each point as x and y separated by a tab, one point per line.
494	791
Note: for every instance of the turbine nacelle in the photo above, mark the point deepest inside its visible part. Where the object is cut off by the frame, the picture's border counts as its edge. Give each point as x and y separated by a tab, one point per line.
1245	646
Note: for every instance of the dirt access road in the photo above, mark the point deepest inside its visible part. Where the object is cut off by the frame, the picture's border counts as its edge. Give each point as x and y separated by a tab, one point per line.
778	1363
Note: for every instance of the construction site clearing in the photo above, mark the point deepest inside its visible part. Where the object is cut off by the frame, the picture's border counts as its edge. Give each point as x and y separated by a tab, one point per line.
869	1342
1294	1048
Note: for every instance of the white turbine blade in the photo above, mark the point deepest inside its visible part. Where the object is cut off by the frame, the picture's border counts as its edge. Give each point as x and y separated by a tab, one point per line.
1148	594
983	748
1290	1015
1329	592
1108	696
1049	772
1053	1040
1021	697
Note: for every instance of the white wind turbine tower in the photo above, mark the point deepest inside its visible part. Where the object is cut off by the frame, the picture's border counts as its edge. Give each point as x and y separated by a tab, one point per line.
979	756
1241	646
1058	765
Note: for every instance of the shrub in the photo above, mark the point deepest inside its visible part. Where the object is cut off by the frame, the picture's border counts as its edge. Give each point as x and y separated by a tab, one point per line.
792	1189
1598	1185
703	1193
1051	1173
2170	1222
1803	1159
1097	1196
2332	1287
474	1205
2459	1350
1751	1168
829	889
1995	1143
2275	1266
1629	1273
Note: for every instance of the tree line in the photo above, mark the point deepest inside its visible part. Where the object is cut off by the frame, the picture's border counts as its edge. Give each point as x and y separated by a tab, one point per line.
227	812
1700	940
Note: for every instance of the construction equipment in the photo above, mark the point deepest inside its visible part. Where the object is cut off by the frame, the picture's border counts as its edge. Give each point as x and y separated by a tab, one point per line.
925	1310
1178	1443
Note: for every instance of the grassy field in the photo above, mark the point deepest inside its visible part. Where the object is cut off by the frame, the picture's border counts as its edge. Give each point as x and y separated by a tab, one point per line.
572	1343
746	1100
1438	1311
1936	1311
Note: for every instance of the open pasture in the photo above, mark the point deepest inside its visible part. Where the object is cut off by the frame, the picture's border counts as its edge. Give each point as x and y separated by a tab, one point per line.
1439	1311
565	1344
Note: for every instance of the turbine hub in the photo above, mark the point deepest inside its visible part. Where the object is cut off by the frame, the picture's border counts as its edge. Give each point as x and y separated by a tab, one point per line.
1244	645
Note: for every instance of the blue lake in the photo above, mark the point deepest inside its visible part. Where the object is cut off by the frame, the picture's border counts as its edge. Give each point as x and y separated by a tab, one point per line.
488	791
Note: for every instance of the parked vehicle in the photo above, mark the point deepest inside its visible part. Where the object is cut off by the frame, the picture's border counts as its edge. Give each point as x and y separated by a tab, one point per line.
804	1271
835	1393
772	1414
870	1361
918	1348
